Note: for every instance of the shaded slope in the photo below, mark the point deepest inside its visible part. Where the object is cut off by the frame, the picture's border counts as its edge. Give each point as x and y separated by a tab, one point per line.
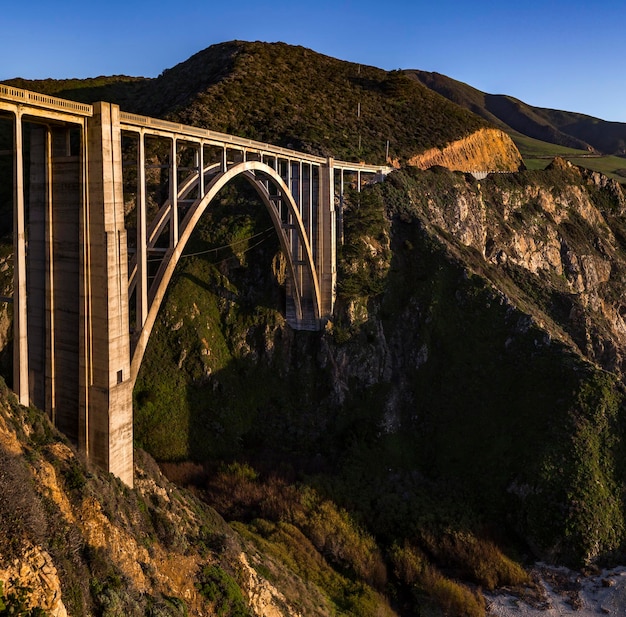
76	541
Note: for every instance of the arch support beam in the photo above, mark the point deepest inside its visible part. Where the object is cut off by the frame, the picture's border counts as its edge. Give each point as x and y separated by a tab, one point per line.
249	170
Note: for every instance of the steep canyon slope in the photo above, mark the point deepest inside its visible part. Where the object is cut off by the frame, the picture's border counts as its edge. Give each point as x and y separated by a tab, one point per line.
468	393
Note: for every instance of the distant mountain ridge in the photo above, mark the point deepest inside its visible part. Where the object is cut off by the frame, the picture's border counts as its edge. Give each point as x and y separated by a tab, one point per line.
291	95
564	128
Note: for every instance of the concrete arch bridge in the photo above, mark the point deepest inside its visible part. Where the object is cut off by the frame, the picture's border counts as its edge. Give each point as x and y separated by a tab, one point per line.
104	203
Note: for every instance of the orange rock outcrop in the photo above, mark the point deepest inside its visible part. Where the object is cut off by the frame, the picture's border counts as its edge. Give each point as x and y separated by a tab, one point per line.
484	150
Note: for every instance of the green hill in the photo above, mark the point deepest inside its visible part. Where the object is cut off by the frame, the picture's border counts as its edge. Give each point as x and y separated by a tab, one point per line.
295	97
289	96
580	134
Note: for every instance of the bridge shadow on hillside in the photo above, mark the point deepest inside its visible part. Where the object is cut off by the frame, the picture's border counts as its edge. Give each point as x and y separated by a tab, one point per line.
248	389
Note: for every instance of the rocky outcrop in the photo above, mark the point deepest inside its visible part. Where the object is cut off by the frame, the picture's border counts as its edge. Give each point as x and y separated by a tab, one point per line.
560	231
35	571
81	543
487	149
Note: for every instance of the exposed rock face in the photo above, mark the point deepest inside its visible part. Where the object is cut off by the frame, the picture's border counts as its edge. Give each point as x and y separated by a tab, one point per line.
36	571
485	150
563	236
264	598
94	538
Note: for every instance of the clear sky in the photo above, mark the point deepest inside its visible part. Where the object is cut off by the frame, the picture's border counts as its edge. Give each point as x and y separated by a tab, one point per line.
567	55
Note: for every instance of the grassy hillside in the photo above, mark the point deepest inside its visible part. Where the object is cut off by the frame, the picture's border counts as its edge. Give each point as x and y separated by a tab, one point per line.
540	134
289	96
539	154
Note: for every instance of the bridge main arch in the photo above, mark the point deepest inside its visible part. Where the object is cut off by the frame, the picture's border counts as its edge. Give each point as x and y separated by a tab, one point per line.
302	278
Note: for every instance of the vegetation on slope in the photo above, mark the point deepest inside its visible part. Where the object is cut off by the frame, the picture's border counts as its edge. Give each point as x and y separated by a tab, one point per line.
463	434
295	97
75	539
289	96
120	89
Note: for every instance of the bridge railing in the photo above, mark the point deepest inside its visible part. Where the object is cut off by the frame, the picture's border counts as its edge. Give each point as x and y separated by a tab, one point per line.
182	130
45	101
135	120
362	167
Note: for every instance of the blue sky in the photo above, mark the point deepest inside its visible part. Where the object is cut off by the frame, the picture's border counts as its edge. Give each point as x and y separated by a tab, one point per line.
563	55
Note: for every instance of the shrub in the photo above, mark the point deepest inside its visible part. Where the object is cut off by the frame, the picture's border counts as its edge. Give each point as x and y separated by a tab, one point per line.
242	494
221	589
480	560
452	597
336	535
413	569
16	604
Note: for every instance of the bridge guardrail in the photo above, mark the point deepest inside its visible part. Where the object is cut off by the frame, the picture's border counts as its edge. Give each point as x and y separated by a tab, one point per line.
184	129
135	120
44	100
363	167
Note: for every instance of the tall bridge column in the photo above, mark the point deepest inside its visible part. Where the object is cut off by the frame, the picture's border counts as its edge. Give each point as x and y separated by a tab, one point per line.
53	283
106	388
327	238
20	329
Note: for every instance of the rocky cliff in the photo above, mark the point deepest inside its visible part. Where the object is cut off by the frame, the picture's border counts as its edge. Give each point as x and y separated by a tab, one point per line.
559	236
76	542
487	149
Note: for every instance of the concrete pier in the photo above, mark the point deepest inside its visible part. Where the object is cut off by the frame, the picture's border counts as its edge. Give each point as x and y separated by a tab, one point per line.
107	404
